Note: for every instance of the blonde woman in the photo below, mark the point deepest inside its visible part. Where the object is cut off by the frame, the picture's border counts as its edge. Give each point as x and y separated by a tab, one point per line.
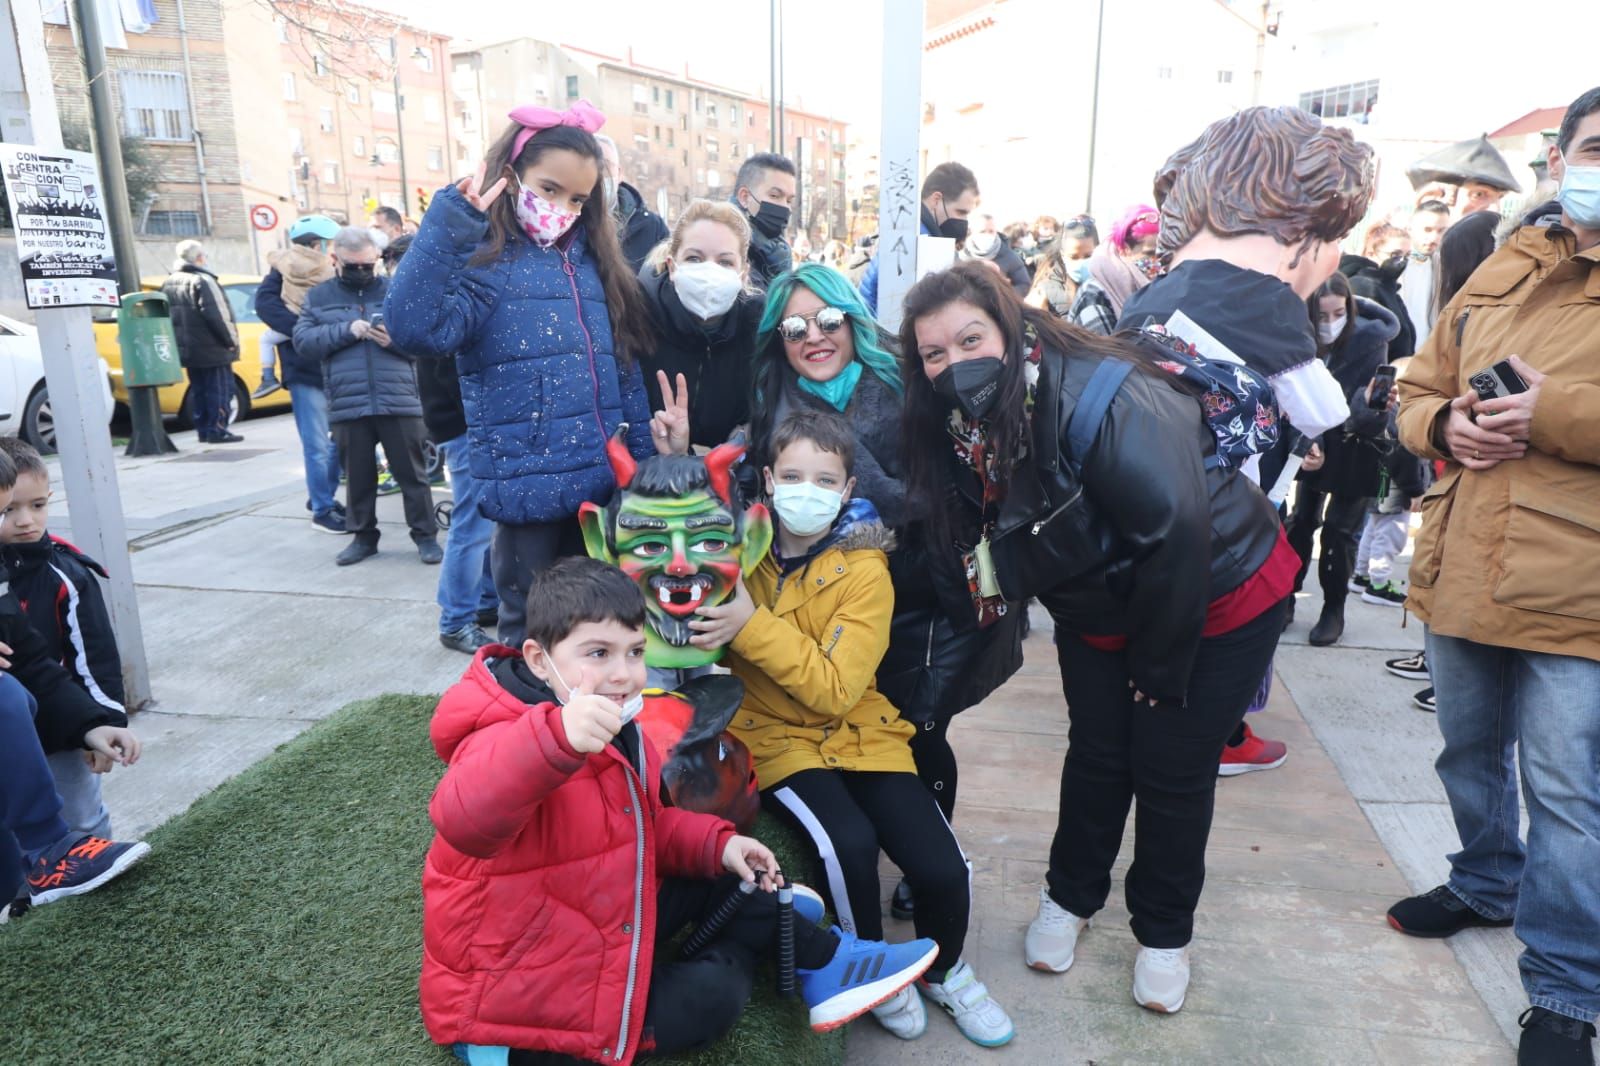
697	286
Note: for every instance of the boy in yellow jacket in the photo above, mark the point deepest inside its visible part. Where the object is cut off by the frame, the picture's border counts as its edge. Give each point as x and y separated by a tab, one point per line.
833	756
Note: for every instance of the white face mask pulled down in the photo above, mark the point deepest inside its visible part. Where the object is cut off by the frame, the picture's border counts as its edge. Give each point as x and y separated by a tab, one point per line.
630	709
706	290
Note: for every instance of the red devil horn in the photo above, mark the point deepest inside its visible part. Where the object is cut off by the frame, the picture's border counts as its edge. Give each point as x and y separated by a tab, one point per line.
623	464
718	463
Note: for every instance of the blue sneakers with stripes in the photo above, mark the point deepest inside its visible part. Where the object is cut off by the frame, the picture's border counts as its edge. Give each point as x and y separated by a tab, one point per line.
861	975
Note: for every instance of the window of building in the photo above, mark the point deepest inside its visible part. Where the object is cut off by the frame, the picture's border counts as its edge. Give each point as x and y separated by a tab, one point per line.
330	173
432	109
424	58
154	106
319	65
655	94
359	146
283	29
435	158
172	223
1164	73
733	114
695	103
750	118
711	113
383	101
288	86
672	137
387	151
392	199
297	142
1354	100
733	149
713	149
658	134
713	180
641	142
671	103
352	93
1224	77
685	122
325	119
641	99
572	86
699	177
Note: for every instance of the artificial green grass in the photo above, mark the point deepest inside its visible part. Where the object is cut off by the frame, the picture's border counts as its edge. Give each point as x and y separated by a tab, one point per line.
279	920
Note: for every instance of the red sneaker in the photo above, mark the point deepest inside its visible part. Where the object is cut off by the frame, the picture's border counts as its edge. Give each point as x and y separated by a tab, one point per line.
1252	753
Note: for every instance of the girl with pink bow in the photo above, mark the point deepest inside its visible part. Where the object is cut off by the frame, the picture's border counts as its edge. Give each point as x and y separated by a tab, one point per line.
517	274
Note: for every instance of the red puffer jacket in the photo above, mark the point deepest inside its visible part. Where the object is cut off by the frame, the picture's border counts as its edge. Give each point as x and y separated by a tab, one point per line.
539	892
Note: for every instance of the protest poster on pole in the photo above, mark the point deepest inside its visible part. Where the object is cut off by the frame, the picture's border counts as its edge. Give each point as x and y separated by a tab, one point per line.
59	219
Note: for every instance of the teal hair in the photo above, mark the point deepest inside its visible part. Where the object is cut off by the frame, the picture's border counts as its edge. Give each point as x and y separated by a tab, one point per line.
873	346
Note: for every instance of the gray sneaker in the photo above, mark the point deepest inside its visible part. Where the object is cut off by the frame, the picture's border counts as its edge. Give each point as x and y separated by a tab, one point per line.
467	640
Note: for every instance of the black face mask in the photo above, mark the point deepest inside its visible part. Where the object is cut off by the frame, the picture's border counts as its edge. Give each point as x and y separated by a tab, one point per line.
972	385
772	219
358	275
1393	267
954	228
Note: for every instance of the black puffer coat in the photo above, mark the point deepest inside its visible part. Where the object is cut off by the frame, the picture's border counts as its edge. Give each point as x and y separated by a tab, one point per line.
362	378
1114	548
641	229
1368	279
714	360
201	318
1354	452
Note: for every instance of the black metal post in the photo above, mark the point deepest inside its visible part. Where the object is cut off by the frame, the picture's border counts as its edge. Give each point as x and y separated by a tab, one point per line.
108	146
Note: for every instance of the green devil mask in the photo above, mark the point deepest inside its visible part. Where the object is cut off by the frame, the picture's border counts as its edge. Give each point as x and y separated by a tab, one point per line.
677	527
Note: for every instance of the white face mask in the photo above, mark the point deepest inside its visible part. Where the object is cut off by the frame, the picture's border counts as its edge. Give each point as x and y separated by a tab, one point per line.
706	289
1328	332
630	709
806	509
542	220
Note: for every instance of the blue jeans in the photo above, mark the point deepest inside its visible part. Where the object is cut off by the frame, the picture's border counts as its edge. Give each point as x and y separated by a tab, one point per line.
1490	699
316	447
466	583
30	807
210	393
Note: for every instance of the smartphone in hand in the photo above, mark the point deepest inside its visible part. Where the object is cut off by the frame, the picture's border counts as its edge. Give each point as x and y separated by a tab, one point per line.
1498	380
1382	384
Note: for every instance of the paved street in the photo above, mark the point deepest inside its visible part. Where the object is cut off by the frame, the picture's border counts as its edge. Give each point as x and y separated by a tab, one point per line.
254	634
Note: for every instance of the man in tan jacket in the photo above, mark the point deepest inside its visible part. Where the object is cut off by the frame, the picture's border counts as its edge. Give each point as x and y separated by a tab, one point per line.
1507	577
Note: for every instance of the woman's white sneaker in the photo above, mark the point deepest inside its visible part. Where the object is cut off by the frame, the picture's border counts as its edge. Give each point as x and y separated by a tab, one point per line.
903	1013
980	1019
1161	979
1052	936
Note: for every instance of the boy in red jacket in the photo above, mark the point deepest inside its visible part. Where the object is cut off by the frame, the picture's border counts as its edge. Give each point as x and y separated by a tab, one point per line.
557	871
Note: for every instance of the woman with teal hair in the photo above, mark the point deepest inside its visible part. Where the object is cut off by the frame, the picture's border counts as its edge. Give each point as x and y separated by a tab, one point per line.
819	346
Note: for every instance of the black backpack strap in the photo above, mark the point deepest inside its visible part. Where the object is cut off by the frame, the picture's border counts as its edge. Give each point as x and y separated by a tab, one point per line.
1092	406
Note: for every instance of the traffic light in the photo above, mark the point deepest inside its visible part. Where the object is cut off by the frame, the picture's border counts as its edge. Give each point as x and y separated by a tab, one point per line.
422	201
370	204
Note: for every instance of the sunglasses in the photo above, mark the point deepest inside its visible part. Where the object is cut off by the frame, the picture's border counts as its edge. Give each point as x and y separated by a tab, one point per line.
795	327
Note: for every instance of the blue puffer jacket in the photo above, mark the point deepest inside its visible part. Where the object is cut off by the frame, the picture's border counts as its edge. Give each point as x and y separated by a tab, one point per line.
361	378
539	378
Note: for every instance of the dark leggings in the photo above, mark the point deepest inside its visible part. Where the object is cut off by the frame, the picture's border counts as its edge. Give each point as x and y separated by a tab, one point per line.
692	1004
936	764
1166	757
848	816
1340	518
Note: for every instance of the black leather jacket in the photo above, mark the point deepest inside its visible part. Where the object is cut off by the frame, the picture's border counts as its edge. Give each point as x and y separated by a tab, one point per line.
1124	549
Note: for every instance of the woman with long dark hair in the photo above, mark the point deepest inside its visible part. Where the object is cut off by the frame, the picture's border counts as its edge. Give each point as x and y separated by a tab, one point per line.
1166	581
517	273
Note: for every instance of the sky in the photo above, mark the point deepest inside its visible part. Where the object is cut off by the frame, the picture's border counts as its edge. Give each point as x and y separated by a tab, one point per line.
830	44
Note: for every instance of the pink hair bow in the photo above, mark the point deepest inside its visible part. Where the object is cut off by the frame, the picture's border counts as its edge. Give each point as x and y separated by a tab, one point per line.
584	115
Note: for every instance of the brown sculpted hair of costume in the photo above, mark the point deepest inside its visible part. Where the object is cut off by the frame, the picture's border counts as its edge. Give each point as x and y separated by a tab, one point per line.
1276	171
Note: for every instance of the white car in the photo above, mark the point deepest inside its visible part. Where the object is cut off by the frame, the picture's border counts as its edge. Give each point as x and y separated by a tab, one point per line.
24	400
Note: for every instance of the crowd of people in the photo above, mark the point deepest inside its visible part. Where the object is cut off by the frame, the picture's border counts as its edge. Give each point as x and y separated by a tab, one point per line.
1107	430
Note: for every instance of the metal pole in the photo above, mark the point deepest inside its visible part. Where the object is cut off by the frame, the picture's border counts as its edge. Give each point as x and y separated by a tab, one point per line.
199	139
72	373
782	133
108	146
899	209
1094	107
772	78
399	123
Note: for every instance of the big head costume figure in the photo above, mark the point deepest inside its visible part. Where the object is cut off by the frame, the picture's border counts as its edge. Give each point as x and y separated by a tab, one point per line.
677	526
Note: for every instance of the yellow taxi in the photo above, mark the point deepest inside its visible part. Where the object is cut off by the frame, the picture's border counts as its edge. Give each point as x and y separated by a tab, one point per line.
241	293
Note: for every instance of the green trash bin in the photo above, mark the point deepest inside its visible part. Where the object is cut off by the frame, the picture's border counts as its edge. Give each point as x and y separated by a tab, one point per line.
149	347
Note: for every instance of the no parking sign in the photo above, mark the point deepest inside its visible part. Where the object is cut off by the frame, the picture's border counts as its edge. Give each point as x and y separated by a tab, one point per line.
263	217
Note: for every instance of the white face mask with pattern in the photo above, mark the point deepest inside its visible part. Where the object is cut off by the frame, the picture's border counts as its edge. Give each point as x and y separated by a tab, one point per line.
542	220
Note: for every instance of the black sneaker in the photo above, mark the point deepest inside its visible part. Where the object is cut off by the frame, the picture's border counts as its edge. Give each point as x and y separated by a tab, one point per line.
356	551
1551	1039
1387	594
78	865
226	438
1412	667
269	385
467	640
903	905
1329	628
488	617
1436	914
429	552
1424	701
1359	583
15	909
329	522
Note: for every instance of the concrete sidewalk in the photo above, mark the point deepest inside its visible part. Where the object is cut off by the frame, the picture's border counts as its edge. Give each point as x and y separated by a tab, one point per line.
254	634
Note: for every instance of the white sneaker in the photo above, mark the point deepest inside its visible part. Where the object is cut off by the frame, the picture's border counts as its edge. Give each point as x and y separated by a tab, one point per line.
980	1019
1161	979
903	1013
1052	936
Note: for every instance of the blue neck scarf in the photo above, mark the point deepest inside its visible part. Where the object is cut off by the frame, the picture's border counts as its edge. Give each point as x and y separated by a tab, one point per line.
836	391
